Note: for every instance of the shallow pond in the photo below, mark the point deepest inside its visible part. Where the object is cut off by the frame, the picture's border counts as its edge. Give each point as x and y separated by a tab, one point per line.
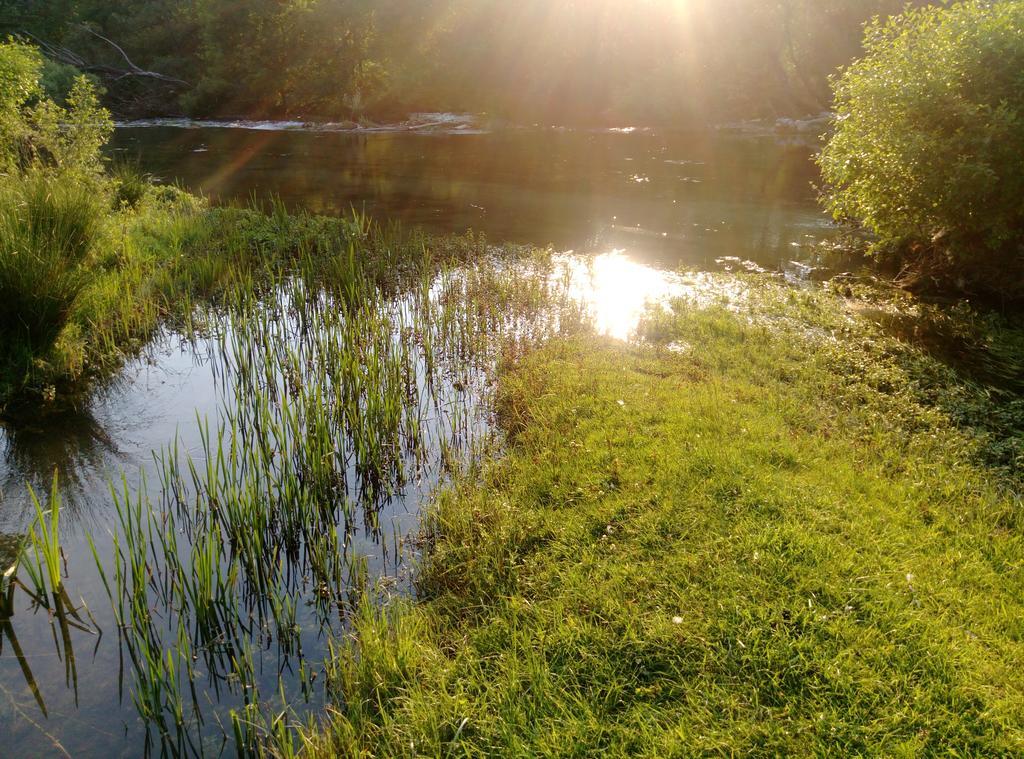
640	200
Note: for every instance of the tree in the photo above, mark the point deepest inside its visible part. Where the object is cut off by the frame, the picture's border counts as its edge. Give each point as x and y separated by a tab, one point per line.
20	69
927	150
674	62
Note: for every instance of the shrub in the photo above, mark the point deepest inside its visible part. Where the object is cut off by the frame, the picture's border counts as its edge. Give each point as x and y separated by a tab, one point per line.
35	132
928	149
20	68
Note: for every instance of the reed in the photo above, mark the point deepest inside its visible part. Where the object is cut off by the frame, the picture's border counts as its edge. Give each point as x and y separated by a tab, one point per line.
43	559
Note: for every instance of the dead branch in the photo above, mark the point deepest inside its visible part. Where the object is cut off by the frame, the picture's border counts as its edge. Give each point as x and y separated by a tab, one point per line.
134	70
69	57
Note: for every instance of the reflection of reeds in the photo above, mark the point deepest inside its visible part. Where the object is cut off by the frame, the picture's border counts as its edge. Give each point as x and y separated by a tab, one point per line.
7	633
73	443
43	568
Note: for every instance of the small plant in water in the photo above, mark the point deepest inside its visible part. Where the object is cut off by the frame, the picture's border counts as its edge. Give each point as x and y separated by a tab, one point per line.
43	556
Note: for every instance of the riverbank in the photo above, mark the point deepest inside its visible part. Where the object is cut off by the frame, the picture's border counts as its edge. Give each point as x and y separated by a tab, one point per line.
775	529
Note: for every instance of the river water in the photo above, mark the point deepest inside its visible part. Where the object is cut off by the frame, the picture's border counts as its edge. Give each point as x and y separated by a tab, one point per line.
673	198
642	201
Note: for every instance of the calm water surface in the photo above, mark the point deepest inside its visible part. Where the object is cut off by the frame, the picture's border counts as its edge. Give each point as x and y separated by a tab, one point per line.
663	200
676	198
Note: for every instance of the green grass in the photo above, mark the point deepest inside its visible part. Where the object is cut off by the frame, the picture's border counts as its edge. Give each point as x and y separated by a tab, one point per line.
763	534
43	565
336	395
48	231
773	529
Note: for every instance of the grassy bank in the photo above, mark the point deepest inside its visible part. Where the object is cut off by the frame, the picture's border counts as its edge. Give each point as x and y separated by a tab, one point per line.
764	533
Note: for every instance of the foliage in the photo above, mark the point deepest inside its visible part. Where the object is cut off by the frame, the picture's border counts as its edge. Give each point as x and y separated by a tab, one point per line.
554	61
750	538
20	67
54	210
37	134
266	58
926	151
58	80
67	139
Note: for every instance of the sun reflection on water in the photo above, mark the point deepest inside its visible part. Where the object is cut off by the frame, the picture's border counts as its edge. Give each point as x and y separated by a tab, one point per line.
617	290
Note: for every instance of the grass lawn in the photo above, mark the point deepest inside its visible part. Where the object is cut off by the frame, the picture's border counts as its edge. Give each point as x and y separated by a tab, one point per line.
762	533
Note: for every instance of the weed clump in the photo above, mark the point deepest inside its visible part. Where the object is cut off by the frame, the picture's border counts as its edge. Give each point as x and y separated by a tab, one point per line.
49	229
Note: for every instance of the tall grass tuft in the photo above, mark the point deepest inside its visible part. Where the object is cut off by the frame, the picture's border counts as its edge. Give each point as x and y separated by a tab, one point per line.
43	560
130	184
48	230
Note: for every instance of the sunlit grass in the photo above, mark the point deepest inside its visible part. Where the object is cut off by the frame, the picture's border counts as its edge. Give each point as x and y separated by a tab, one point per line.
349	373
726	539
774	542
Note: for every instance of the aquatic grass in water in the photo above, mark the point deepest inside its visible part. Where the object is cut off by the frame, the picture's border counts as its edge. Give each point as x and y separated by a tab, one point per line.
84	288
43	556
337	401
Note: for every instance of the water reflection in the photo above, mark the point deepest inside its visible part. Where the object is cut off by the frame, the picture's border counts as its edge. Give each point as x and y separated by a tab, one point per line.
616	290
116	432
75	444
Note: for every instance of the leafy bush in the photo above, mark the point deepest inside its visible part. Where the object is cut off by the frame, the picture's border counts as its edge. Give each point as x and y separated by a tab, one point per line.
36	133
927	150
20	69
58	79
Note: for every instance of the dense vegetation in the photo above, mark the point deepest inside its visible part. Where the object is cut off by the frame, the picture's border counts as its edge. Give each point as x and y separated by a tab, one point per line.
54	204
607	61
94	258
927	149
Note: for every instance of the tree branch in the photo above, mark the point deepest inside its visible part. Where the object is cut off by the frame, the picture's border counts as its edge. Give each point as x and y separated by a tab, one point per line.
133	69
71	58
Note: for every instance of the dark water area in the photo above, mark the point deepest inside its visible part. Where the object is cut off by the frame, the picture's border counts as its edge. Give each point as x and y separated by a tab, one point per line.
669	200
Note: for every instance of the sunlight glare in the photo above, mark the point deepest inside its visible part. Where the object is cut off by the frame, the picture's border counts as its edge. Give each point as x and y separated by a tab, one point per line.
617	290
